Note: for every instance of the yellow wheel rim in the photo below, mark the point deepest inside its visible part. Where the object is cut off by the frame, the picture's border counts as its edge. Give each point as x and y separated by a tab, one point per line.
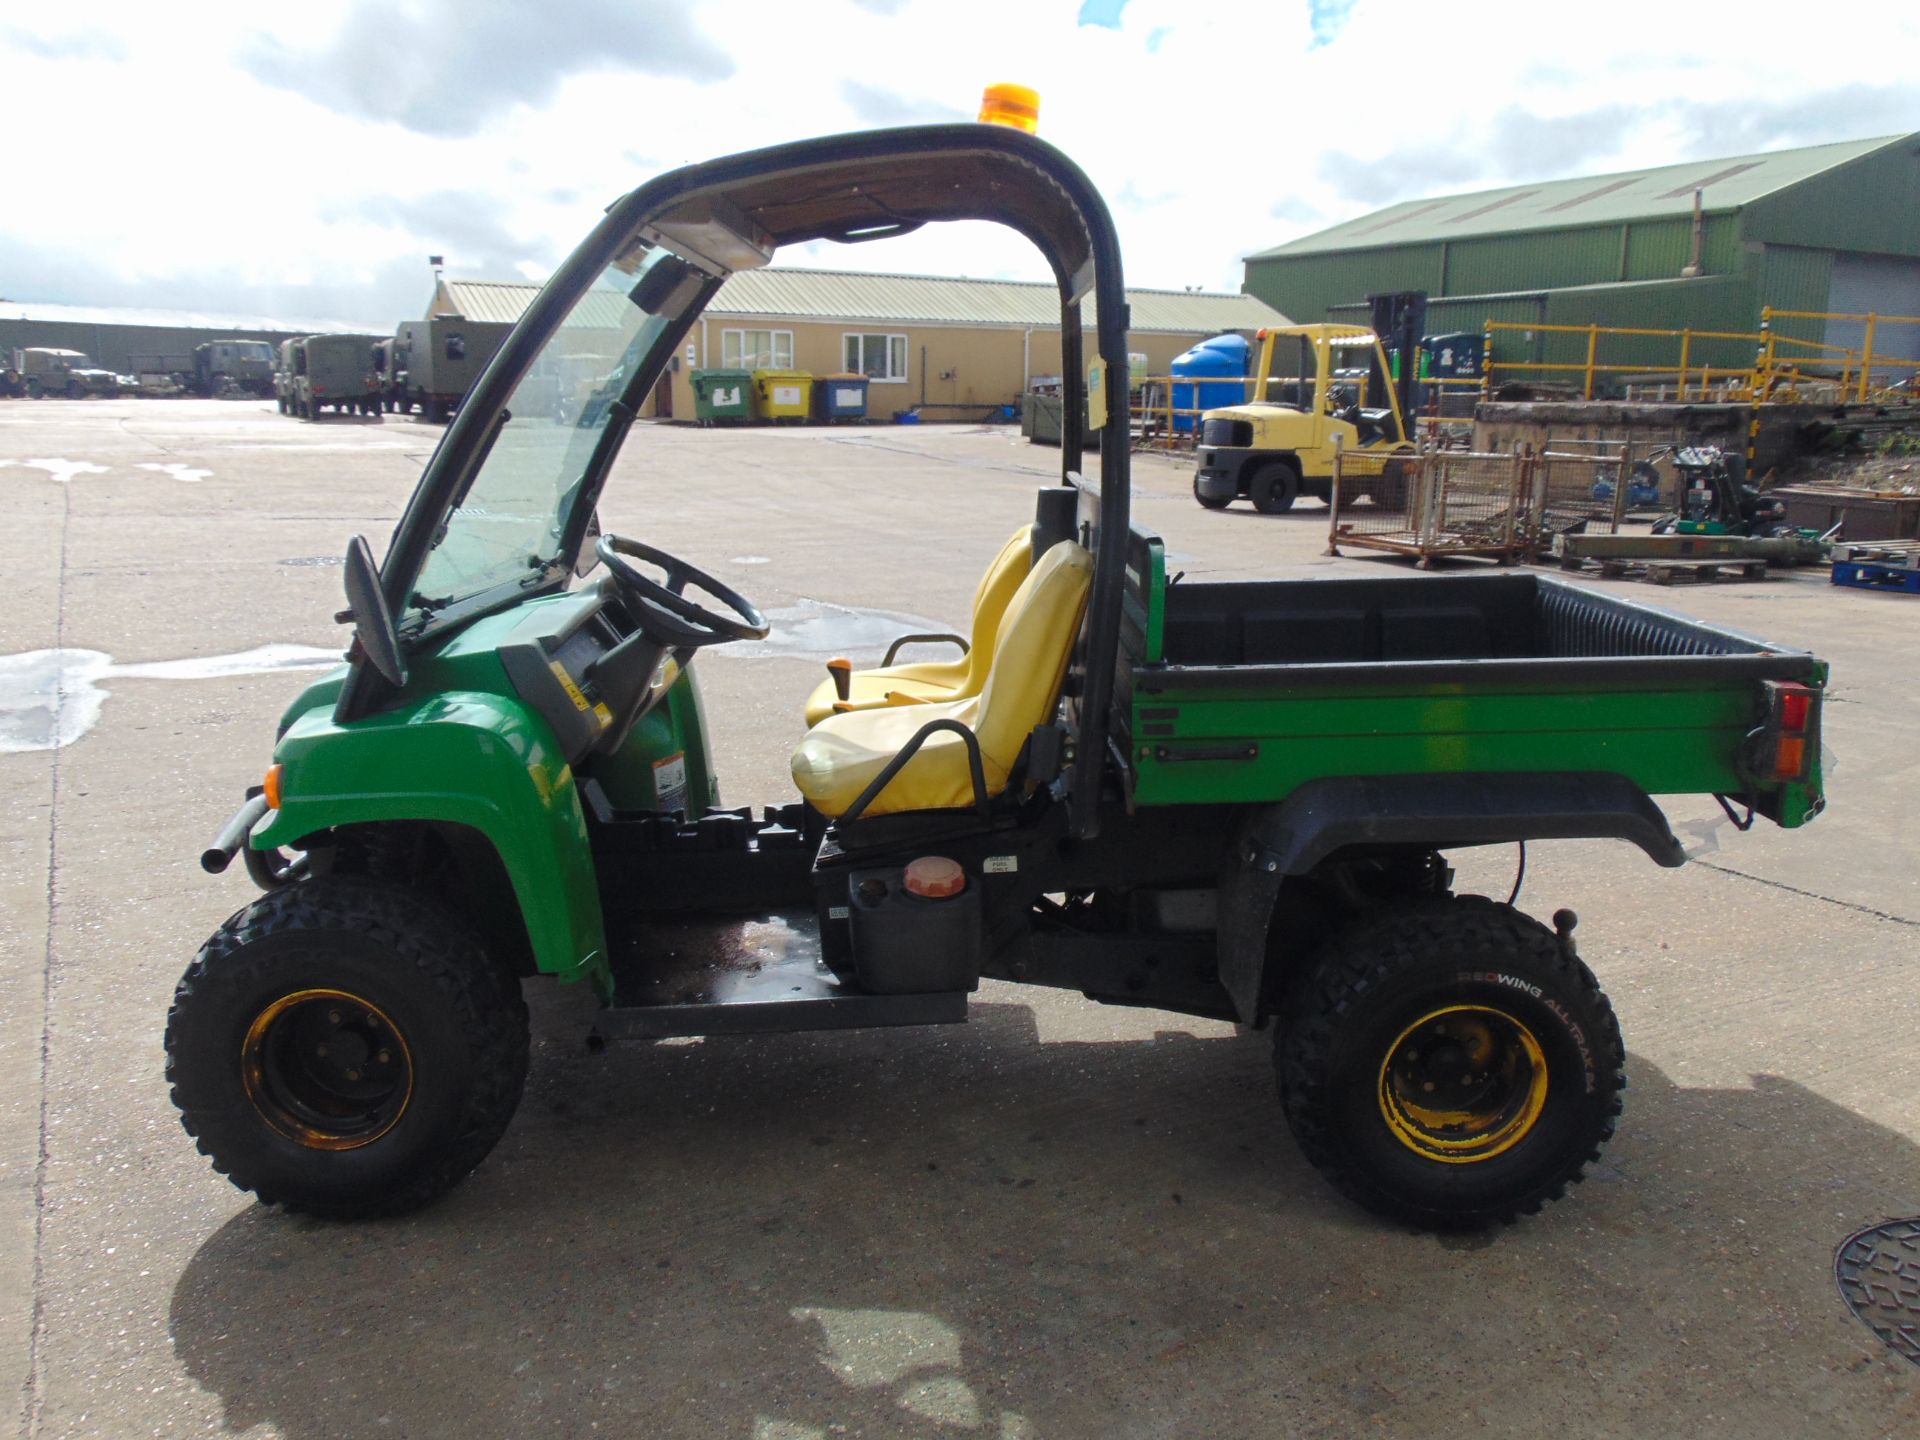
1463	1084
327	1069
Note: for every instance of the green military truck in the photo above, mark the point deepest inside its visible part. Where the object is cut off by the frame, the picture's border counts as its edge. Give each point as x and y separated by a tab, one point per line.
43	370
1233	800
390	374
318	371
443	358
233	367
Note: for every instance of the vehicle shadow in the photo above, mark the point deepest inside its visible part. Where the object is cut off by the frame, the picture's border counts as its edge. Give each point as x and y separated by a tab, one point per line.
970	1232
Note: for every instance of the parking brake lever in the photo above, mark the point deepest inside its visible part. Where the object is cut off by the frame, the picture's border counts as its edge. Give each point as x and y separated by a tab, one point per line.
841	669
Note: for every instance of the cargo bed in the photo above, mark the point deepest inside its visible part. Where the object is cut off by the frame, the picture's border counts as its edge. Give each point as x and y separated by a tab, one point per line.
1245	691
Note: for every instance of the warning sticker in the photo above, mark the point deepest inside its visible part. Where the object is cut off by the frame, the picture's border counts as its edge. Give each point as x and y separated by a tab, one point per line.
670	782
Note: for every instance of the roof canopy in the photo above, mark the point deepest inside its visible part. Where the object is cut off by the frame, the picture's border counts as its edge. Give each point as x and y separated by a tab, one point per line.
1726	184
870	296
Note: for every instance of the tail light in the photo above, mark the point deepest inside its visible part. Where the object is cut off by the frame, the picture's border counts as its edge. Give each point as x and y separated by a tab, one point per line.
1791	728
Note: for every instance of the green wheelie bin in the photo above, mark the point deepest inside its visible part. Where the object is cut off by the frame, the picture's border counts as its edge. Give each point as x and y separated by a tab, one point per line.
722	397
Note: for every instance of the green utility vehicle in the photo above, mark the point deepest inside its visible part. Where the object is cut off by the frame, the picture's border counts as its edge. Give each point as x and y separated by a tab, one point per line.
1230	800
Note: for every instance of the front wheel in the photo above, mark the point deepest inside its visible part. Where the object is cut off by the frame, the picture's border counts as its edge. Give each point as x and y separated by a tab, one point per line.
1274	487
1452	1064
345	1048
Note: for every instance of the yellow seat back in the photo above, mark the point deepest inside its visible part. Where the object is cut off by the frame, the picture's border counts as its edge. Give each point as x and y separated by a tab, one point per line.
1033	645
922	681
990	598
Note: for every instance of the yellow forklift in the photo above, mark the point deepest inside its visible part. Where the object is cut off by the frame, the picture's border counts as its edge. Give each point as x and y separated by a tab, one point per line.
1315	386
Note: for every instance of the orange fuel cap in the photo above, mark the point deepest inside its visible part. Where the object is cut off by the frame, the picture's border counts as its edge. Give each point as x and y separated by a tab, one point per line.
935	877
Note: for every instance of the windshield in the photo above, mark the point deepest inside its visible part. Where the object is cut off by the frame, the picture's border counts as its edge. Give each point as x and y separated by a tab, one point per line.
508	525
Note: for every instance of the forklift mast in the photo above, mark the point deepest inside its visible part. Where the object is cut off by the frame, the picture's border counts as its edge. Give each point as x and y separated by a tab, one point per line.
1399	318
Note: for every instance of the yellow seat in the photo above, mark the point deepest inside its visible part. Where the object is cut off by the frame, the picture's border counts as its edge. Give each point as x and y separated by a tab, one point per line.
843	753
935	680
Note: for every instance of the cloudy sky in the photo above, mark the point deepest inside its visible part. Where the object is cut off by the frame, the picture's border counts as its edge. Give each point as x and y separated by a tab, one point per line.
304	161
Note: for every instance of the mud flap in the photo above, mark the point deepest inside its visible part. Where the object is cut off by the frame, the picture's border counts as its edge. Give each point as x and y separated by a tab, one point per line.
1437	812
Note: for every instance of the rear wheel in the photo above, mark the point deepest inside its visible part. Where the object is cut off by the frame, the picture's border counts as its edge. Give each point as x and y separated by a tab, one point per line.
1210	502
1450	1064
345	1048
1274	487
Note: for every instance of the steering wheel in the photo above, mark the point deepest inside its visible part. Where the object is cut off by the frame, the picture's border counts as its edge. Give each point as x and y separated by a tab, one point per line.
664	611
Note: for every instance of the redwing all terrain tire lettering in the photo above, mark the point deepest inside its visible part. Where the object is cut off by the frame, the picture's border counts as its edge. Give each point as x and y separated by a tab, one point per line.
343	1048
1450	1064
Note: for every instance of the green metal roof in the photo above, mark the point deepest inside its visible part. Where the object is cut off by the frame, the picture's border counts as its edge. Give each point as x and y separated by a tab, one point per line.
1728	184
862	298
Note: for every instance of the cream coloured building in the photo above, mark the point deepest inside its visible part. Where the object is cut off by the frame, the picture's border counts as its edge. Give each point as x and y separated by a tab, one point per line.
952	346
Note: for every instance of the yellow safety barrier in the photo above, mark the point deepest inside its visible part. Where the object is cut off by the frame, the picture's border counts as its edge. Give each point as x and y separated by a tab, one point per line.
1794	373
1785	367
1591	368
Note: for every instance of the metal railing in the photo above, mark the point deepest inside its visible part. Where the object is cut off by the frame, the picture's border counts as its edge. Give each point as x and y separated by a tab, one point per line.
1785	367
1693	380
1154	417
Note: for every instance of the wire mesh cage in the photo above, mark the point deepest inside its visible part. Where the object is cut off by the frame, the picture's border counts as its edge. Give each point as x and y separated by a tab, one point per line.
1441	502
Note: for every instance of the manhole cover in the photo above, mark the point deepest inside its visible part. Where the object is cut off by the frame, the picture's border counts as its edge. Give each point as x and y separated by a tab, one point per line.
1879	1275
314	560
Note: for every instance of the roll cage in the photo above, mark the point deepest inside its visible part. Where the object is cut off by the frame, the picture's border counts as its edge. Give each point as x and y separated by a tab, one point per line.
848	188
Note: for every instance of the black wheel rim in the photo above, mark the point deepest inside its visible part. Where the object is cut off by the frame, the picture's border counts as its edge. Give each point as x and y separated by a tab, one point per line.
327	1069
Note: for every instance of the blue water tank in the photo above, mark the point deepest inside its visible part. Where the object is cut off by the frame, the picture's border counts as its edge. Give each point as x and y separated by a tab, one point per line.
1223	355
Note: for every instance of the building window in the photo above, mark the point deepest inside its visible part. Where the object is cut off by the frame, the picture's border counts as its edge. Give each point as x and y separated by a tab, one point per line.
880	358
756	349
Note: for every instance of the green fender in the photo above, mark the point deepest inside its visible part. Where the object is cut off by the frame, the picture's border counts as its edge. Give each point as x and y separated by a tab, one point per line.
463	758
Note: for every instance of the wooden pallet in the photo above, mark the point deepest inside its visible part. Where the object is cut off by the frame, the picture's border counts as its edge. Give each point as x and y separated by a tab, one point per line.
1673	572
1897	578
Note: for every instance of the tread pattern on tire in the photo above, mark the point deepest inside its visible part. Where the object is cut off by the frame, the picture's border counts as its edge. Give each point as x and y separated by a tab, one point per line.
486	1004
1353	965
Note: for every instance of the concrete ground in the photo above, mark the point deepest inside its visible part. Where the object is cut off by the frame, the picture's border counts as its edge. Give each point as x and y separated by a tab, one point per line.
1058	1220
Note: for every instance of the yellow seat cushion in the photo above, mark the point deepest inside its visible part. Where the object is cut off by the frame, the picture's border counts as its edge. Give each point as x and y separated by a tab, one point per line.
934	680
843	754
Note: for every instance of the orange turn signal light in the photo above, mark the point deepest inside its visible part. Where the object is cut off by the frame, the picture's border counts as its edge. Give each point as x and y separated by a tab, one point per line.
271	787
1013	105
1790	760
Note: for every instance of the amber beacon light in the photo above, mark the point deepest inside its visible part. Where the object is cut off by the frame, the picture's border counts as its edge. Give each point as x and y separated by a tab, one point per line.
1013	105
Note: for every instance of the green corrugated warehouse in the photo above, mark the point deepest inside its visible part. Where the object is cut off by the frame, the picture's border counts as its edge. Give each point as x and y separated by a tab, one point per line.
1831	228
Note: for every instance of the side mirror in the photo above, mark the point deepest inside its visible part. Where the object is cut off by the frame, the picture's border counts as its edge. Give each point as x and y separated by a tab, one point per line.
373	628
589	556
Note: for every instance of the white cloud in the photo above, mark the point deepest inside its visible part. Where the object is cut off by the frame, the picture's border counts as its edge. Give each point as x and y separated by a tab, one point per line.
1214	130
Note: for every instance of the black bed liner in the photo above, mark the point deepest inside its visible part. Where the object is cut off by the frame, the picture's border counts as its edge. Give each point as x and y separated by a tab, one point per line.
1516	628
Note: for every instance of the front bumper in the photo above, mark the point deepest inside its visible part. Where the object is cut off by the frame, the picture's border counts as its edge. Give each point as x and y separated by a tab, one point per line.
1218	477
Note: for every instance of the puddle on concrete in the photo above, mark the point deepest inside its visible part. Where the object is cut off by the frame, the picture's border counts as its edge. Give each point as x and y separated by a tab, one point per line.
424	443
178	471
61	470
815	630
51	698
